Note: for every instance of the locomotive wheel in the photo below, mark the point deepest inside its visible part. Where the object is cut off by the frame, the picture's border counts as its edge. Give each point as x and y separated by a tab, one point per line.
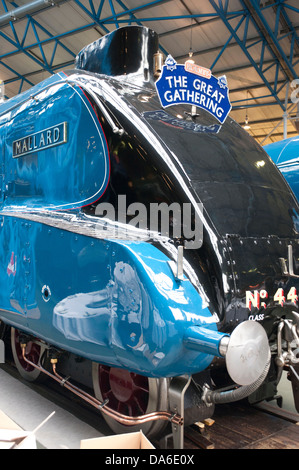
34	352
132	395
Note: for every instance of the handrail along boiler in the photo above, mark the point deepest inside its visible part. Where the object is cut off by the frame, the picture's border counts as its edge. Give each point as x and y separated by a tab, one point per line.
162	329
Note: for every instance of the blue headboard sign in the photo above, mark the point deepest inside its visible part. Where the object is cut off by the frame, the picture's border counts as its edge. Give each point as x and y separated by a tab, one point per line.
195	85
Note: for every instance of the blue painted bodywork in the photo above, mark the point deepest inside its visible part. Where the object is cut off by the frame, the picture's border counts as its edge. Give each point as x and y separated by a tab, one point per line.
285	155
115	302
111	301
63	176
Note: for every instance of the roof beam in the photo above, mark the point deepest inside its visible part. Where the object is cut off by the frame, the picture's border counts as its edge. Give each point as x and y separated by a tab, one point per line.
264	28
27	9
287	26
218	7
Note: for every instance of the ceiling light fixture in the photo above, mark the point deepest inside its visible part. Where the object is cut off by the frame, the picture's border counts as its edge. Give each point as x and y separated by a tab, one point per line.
246	125
190	58
190	50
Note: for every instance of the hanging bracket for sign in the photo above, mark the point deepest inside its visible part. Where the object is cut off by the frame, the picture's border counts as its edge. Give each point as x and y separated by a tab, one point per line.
194	85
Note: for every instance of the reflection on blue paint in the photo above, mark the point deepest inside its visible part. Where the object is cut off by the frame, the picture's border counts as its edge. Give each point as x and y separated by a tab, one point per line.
50	143
140	313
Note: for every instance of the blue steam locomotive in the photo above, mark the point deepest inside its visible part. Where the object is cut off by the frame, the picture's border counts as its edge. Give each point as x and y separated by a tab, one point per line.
162	320
285	155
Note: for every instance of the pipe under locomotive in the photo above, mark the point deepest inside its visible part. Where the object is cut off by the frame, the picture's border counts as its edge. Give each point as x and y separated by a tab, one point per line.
169	323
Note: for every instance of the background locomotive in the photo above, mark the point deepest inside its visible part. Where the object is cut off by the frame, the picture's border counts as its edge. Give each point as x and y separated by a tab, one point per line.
163	325
285	155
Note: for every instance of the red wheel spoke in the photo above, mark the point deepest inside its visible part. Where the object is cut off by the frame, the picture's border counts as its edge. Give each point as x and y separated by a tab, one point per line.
128	393
140	403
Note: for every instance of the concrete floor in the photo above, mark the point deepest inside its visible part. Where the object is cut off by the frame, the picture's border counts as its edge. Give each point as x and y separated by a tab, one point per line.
29	408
